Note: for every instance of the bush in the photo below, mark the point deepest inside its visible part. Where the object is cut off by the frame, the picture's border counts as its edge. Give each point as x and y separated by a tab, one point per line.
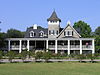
91	56
11	55
38	55
47	56
81	57
1	56
23	55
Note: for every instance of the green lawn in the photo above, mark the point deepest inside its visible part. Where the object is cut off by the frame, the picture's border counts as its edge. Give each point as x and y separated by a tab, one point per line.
64	68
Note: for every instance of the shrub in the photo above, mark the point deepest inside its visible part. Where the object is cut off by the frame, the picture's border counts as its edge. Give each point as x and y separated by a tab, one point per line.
1	56
38	55
81	57
11	55
23	55
47	56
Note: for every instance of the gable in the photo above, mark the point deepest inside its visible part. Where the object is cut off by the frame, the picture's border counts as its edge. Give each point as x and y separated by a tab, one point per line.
75	34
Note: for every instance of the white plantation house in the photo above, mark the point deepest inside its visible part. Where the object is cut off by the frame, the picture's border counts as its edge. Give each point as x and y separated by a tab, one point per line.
54	38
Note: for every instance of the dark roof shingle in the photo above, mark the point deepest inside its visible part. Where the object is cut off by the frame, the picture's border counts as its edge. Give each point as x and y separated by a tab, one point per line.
54	17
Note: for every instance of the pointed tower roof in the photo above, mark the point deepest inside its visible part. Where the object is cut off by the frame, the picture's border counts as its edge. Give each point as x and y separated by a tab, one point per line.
54	17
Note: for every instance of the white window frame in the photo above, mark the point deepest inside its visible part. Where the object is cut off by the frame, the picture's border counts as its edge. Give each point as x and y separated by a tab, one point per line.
31	33
70	33
42	33
52	32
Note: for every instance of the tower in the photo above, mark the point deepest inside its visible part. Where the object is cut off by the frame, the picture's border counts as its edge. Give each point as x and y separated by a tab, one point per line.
53	25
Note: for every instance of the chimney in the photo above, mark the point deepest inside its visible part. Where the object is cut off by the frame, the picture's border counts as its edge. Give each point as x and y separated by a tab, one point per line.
35	26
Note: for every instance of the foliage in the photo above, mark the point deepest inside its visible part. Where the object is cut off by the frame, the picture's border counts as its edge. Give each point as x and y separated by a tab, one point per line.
13	33
30	54
97	44
23	55
47	56
91	56
38	55
83	28
11	55
2	40
81	57
97	31
1	56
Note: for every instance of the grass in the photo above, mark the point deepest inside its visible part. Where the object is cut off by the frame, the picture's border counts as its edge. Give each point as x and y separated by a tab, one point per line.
63	68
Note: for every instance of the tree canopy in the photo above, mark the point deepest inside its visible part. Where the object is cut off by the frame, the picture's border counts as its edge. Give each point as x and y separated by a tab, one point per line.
97	31
13	33
2	39
83	28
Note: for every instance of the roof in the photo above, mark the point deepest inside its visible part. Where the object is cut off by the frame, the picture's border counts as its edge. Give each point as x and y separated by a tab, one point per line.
54	17
37	31
72	28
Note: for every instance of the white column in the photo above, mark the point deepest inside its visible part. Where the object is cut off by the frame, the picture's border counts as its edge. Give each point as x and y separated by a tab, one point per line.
8	45
56	46
80	46
68	47
93	47
20	46
27	45
46	44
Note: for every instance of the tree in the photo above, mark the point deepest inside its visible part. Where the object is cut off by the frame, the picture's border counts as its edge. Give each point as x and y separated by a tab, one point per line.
13	33
11	55
2	39
83	28
97	43
97	31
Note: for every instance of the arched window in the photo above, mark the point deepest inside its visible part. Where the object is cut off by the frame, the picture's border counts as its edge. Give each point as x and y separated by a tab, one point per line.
32	34
41	33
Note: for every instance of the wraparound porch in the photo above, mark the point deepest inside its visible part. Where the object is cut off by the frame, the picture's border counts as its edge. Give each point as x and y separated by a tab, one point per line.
55	45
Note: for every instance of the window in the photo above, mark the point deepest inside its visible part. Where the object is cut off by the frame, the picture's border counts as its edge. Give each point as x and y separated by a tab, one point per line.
41	33
56	32
53	32
68	33
32	34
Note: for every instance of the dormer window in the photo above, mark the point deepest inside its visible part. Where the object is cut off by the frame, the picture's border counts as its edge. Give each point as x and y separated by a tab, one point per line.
41	33
68	33
32	34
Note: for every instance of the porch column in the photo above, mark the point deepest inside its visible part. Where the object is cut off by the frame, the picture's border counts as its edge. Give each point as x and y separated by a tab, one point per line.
20	46
93	47
68	47
56	46
80	46
8	45
46	44
27	45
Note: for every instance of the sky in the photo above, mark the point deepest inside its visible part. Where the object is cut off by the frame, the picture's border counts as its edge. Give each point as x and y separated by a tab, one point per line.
20	14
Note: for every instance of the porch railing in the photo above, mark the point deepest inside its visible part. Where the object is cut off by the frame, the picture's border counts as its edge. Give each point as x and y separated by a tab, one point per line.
51	46
86	46
74	46
62	46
